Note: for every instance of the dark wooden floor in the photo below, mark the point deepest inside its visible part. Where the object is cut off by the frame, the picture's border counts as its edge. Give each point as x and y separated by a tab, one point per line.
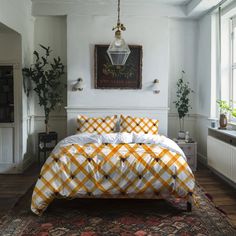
224	196
12	187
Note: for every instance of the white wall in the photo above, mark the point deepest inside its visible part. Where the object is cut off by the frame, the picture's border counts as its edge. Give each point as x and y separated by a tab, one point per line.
17	16
51	31
10	47
169	47
204	83
183	49
81	41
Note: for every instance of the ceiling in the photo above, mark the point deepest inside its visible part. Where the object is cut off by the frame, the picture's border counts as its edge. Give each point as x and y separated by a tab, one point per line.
175	2
190	8
170	2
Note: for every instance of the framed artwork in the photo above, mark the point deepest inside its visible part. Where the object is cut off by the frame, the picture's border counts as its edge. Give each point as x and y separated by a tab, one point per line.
108	76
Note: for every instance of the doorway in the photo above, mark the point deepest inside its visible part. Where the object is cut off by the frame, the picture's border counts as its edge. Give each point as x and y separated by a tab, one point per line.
10	59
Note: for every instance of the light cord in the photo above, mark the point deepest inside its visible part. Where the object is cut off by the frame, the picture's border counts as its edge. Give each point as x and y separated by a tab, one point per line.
118	20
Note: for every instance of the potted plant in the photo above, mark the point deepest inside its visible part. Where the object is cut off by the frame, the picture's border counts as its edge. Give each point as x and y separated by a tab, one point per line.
182	103
46	75
225	109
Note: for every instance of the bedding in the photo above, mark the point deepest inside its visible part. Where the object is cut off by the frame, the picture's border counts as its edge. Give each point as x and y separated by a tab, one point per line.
97	125
93	165
138	125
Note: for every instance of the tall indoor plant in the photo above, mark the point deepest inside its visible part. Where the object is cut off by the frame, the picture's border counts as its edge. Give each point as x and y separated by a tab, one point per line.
182	102
46	75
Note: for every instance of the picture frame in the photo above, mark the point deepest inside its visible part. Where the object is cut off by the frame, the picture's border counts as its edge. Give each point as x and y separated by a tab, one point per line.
108	76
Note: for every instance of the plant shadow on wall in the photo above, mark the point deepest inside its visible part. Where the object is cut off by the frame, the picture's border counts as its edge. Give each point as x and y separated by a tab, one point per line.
182	103
46	75
108	76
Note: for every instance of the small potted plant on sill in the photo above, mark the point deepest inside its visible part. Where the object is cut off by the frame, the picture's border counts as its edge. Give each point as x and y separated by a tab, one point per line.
46	75
182	103
225	109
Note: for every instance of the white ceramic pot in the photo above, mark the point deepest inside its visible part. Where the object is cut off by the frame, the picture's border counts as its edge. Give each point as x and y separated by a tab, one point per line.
181	135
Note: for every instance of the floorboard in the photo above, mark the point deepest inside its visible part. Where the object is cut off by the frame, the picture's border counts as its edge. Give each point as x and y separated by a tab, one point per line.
12	187
224	196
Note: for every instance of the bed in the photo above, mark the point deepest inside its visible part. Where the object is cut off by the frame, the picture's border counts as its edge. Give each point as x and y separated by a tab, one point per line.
112	164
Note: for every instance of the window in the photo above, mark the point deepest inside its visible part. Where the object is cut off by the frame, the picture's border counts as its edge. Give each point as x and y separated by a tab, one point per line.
232	92
228	62
223	54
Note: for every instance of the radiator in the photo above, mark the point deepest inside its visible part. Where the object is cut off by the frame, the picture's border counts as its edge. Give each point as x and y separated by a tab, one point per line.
221	156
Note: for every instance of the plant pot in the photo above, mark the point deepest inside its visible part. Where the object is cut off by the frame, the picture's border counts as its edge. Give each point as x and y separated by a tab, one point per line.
181	135
223	121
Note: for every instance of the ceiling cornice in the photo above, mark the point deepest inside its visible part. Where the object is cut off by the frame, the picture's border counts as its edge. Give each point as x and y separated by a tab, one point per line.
197	8
140	8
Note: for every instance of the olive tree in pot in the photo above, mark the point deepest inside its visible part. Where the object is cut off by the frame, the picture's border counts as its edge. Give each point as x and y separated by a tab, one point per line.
46	75
182	103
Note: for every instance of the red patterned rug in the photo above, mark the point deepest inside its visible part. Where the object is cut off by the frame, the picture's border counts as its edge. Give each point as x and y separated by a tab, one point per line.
95	217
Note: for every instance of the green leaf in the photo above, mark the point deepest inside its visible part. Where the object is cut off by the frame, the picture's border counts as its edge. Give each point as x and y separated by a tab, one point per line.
47	82
37	55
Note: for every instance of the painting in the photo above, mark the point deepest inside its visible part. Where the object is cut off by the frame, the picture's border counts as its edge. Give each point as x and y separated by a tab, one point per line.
108	76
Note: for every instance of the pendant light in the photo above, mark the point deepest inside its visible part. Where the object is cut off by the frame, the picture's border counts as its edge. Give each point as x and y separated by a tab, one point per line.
118	50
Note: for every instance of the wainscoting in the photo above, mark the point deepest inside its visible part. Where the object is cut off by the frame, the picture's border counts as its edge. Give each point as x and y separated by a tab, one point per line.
169	125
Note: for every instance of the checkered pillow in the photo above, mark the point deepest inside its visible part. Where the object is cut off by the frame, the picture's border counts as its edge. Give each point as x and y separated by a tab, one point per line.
138	125
97	125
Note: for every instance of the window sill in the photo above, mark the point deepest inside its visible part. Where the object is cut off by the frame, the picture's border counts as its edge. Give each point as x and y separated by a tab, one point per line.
222	133
232	123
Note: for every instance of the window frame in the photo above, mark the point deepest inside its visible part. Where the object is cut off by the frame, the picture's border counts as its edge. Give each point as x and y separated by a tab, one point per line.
232	65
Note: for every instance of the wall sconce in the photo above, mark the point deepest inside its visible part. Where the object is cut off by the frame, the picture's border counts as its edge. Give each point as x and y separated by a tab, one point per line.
155	88
79	85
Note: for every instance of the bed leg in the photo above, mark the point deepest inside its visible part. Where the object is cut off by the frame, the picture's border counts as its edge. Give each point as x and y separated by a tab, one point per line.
189	206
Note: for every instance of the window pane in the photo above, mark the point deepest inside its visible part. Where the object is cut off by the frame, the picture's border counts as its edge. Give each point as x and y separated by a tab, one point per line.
234	45
234	87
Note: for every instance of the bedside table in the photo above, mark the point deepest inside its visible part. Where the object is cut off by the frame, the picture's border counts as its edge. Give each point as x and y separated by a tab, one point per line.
190	151
46	143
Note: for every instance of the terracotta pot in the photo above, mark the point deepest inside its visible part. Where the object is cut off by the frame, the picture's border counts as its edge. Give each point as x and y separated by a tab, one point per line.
223	121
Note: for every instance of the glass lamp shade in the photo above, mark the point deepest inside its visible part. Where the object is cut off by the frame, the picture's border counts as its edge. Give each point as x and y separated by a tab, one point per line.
118	52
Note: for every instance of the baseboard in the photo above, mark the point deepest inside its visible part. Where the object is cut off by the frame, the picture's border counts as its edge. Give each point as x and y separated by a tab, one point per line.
224	178
202	159
9	168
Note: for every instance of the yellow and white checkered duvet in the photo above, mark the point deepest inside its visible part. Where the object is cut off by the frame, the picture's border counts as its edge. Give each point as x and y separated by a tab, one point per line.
112	169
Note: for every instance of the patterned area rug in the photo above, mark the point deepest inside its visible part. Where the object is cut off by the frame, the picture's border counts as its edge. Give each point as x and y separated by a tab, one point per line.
95	217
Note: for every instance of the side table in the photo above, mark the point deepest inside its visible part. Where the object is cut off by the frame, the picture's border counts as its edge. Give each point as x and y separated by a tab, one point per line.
190	150
46	143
